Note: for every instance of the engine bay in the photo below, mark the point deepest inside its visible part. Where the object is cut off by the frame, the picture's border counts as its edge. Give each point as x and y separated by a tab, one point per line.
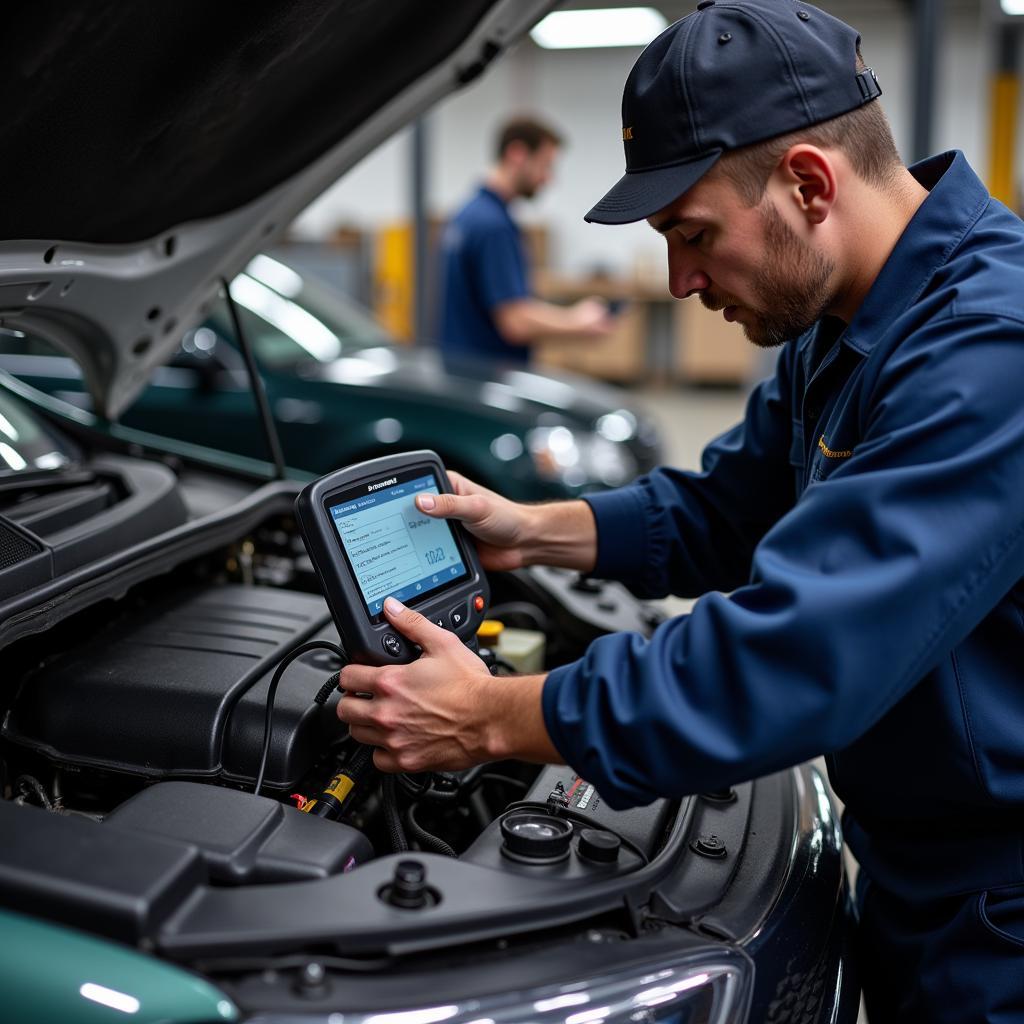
134	731
157	615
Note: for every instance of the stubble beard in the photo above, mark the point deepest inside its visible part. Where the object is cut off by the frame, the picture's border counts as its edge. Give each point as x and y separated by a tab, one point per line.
525	187
792	287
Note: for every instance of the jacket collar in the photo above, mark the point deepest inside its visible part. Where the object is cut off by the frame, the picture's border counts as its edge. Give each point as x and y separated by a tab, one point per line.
956	199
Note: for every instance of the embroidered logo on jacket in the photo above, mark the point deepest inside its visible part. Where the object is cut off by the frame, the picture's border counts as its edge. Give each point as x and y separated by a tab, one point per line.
829	453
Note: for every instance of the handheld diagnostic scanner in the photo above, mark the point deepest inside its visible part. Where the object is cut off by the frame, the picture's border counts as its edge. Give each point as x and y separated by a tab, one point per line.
368	541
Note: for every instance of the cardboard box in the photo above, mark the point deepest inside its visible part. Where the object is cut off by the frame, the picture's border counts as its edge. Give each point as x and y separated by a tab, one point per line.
619	357
709	350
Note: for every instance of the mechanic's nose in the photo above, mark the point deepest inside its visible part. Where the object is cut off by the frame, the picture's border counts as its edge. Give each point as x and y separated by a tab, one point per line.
685	276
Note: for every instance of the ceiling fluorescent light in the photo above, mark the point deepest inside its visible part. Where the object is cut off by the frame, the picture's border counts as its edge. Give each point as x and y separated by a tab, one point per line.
611	26
1015	7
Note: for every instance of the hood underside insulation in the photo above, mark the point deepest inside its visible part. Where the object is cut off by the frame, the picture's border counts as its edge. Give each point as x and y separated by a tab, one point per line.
122	120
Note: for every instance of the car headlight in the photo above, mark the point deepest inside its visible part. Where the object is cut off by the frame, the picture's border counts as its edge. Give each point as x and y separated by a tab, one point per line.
713	988
577	459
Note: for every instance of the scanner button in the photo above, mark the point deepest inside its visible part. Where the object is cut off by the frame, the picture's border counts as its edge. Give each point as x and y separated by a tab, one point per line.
457	616
392	645
478	603
438	620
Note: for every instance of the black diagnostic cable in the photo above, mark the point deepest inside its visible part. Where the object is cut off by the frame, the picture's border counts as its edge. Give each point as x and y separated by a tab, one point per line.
268	723
582	819
325	691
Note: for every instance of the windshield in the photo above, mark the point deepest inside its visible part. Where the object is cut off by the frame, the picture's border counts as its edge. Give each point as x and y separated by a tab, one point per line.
291	318
26	443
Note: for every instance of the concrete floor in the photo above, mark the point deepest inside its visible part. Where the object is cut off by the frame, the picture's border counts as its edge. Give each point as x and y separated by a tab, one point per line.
688	419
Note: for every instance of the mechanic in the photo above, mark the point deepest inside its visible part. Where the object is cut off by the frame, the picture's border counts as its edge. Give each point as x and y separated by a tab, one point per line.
867	515
486	308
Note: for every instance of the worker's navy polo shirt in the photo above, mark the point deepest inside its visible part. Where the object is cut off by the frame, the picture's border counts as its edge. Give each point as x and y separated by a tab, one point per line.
483	266
868	518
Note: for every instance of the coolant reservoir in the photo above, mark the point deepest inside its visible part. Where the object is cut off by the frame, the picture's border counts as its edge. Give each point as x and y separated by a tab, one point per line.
523	649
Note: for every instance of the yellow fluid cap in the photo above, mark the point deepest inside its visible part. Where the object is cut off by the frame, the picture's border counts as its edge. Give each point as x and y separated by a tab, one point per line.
490	630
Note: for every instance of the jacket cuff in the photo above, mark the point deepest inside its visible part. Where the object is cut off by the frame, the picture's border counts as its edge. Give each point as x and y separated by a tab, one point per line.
563	719
621	533
549	706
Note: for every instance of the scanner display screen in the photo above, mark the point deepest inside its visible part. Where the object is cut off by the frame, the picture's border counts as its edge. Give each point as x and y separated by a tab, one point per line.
392	548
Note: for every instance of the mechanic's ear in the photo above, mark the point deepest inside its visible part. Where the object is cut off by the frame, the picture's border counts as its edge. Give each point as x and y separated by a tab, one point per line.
809	177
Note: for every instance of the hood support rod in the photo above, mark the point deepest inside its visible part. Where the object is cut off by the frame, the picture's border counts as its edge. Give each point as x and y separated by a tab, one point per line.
258	390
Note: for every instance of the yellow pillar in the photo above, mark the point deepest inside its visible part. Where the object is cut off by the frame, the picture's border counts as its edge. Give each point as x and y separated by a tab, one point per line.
393	279
1003	138
1002	177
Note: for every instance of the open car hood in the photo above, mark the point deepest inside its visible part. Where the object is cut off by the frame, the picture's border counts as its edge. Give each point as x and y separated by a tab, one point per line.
152	149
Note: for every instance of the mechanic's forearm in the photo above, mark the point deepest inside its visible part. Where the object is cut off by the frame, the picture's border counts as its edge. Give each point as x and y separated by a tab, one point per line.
523	321
515	721
562	534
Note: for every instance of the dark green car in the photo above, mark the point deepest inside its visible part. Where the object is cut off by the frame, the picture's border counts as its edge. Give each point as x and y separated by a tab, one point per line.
341	390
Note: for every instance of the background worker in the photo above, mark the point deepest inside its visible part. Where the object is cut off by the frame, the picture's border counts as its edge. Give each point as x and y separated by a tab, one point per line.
858	538
486	306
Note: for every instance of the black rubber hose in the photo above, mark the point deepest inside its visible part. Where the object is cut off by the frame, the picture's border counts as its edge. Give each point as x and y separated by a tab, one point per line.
393	820
427	839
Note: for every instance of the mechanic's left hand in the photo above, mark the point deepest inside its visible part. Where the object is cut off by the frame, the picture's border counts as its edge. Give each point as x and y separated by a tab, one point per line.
429	715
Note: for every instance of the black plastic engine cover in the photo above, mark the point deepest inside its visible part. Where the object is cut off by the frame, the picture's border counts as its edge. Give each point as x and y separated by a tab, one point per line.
178	690
243	838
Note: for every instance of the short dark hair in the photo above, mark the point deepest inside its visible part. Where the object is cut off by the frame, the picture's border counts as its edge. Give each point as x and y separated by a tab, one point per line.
863	134
529	131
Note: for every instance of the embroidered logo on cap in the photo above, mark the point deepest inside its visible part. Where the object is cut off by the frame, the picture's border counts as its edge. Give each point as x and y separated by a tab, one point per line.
627	133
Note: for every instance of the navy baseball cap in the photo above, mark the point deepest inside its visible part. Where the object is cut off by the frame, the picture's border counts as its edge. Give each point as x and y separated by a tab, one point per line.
733	73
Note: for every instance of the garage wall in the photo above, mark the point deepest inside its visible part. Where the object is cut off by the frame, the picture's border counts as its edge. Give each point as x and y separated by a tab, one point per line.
580	92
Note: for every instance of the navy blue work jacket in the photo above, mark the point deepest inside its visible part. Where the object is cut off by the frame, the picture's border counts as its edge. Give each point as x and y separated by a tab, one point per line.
484	266
868	518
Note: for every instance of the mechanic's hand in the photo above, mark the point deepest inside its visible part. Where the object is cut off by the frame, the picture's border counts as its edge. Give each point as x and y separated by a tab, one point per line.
501	527
592	317
429	715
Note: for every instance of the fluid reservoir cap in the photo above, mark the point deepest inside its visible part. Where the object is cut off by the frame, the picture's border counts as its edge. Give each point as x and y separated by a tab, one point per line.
489	631
535	838
408	888
598	845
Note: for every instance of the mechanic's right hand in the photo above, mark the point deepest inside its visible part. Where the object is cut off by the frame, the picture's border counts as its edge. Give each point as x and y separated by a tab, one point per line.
500	526
591	317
